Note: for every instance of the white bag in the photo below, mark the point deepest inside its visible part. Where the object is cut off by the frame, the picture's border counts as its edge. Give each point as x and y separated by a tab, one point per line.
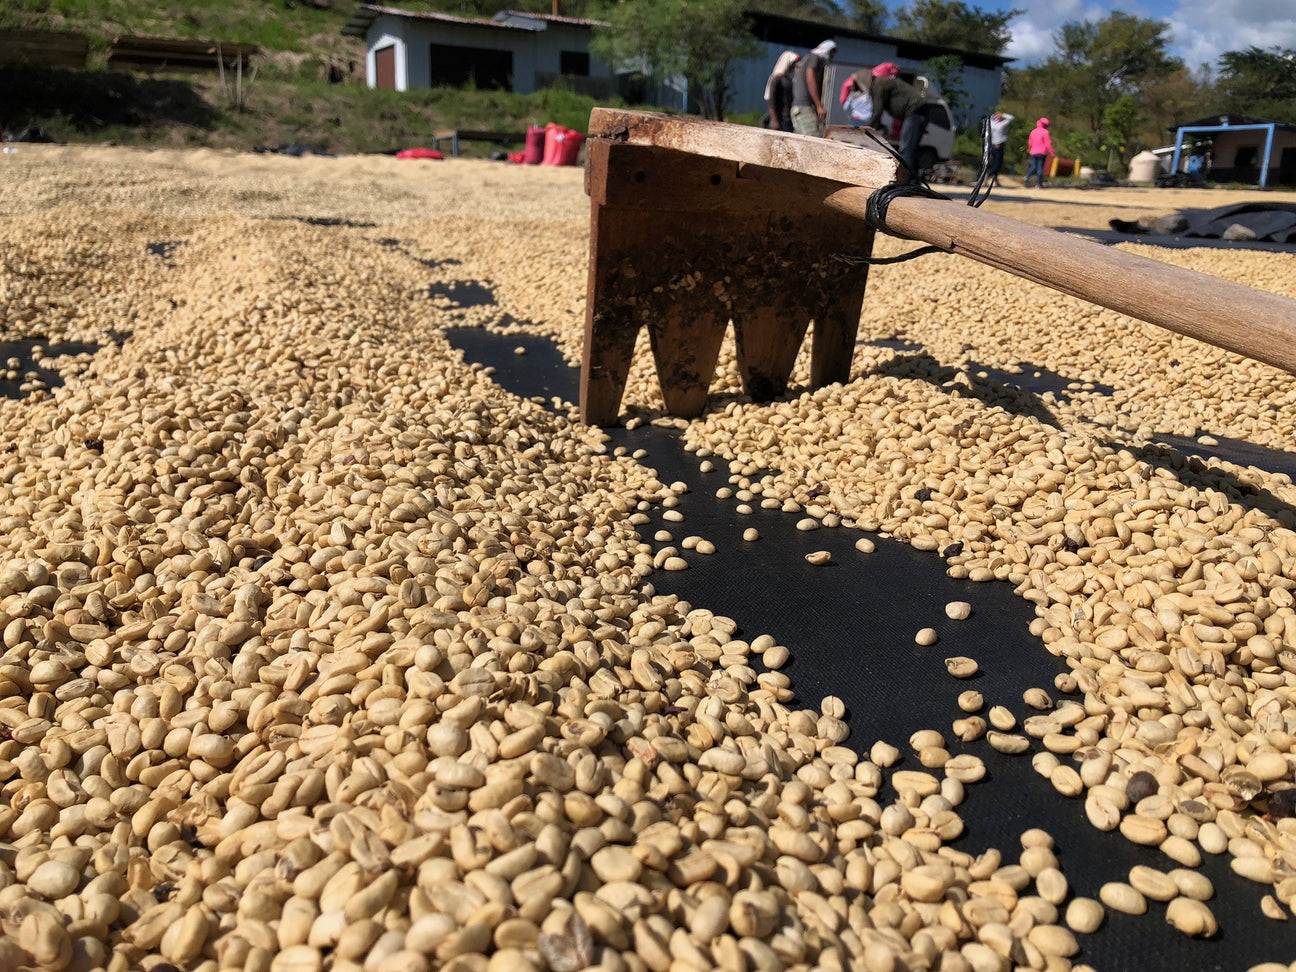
860	106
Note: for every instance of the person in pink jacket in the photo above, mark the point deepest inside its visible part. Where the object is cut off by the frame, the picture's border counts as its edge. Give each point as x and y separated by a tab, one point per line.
1040	147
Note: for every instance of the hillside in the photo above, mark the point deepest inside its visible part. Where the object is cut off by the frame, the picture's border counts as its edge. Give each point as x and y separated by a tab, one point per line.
307	85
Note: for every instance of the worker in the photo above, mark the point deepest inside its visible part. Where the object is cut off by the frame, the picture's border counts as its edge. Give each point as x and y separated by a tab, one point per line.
999	123
808	110
778	92
855	97
1040	147
904	103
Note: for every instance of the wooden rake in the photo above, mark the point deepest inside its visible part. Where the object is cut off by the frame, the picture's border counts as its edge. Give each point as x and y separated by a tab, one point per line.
695	224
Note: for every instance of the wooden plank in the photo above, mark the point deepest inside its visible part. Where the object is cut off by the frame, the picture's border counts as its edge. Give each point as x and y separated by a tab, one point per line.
174	54
60	48
1237	318
863	164
481	136
178	45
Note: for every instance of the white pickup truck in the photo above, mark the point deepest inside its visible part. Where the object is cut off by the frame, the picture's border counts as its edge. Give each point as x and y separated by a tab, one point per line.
937	143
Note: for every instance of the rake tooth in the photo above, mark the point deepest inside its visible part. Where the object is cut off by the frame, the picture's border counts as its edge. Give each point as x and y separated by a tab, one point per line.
768	335
686	345
839	298
836	326
605	361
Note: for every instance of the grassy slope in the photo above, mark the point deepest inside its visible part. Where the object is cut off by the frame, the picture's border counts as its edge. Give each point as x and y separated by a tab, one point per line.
184	110
287	100
286	25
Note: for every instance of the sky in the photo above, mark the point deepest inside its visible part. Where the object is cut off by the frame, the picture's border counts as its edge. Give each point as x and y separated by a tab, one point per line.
1200	30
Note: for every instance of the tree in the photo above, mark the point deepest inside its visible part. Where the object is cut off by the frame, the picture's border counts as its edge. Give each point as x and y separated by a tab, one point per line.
828	12
867	15
1096	63
697	40
946	73
1167	102
1258	83
952	23
1119	120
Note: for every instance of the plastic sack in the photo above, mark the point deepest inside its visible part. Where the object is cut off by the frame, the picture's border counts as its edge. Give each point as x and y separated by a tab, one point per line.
535	145
569	149
562	145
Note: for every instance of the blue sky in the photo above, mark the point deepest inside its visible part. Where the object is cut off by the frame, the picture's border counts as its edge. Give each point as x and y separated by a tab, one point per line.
1200	30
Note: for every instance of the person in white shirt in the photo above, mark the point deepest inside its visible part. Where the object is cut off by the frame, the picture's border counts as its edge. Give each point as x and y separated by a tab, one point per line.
998	139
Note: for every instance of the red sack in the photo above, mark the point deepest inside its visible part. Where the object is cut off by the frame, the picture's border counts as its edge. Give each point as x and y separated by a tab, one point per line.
419	153
562	145
569	148
535	145
517	158
845	89
553	136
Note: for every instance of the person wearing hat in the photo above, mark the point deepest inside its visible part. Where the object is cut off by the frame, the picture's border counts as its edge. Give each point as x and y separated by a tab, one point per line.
778	92
904	103
808	111
1040	147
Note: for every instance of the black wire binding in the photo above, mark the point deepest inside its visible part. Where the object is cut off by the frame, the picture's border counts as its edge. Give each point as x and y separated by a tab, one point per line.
978	197
876	209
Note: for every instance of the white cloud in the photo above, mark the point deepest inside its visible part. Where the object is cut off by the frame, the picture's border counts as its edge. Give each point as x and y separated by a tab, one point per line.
1030	42
1033	30
1200	30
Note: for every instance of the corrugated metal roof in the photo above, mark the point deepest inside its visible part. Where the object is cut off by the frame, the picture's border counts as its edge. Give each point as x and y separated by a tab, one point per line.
367	13
801	32
554	18
1228	120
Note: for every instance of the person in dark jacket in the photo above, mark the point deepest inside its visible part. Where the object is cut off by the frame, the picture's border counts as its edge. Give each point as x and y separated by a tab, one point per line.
905	103
778	92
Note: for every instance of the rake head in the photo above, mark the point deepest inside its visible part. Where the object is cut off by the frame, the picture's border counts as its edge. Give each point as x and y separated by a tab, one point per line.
696	224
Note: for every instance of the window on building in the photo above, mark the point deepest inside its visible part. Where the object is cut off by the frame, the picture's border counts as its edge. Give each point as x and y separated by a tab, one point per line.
574	63
482	66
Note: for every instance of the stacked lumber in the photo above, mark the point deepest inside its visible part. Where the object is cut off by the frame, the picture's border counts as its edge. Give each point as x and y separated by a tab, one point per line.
172	54
57	48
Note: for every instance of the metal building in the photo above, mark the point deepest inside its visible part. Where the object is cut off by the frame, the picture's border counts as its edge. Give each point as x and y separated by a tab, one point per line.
526	52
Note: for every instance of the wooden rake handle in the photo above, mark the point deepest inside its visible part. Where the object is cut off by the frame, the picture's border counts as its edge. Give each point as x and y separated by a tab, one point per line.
1231	316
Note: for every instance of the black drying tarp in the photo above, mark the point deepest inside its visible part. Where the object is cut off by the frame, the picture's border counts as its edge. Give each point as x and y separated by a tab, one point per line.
850	628
1273	222
295	149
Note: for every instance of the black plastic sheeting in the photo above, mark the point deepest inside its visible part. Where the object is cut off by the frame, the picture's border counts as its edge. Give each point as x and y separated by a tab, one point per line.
25	351
850	628
1272	222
